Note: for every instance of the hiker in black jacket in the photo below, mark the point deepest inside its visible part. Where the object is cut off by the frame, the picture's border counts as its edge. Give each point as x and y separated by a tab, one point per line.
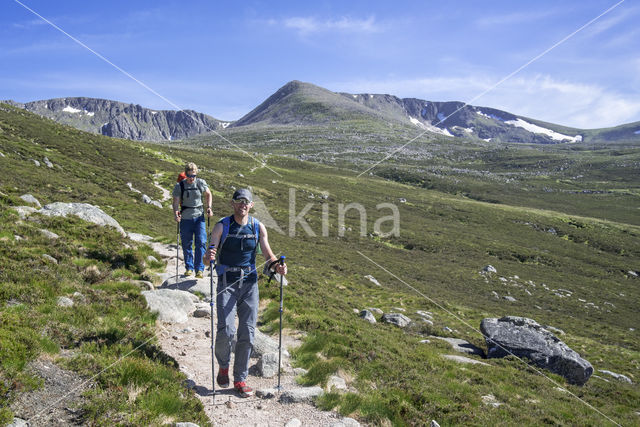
189	212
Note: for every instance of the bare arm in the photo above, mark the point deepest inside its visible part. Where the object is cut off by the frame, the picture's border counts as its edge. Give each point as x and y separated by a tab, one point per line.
216	234
267	252
176	208
207	200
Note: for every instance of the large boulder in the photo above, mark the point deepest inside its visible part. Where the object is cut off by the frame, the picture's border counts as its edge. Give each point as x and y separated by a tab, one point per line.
526	338
397	319
172	306
85	211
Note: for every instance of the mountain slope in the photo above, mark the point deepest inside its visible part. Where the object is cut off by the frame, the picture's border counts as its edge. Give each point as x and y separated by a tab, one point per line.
120	120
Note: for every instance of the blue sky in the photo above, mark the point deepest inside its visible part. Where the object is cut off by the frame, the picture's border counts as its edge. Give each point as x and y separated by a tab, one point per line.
224	59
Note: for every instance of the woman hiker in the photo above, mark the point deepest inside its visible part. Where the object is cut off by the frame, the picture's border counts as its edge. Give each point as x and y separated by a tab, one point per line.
237	237
189	212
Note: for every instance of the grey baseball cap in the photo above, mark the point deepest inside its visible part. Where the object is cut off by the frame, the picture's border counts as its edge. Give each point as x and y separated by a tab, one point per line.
243	193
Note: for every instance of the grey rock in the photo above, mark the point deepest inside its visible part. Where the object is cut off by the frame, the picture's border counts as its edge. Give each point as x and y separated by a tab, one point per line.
294	422
375	311
146	199
189	284
400	309
50	258
447	329
299	395
35	162
489	269
490	400
426	314
48	163
268	365
202	312
144	284
172	306
2	155
372	279
462	346
130	185
65	302
50	234
266	393
263	344
336	383
633	273
463	359
300	371
151	258
397	319
425	342
427	321
156	203
136	237
85	211
509	298
619	377
495	295
525	338
368	316
24	211
31	200
186	425
434	423
18	422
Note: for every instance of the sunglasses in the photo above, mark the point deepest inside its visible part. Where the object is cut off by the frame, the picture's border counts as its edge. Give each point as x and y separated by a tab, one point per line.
191	176
243	201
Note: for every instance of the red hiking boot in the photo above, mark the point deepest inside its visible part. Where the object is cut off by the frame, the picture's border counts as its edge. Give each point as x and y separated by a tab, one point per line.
223	378
243	389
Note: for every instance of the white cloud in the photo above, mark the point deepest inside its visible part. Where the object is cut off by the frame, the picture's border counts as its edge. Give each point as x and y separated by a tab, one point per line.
307	25
539	97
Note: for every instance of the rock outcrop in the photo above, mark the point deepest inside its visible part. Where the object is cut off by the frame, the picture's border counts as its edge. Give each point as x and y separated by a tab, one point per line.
525	338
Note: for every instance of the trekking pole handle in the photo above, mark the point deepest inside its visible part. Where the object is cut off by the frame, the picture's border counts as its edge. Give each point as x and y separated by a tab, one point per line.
281	260
211	246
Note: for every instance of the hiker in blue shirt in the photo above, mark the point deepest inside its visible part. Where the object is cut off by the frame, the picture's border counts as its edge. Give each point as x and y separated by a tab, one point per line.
237	237
189	212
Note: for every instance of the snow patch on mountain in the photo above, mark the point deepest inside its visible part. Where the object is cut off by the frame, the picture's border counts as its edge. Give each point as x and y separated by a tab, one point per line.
539	129
90	114
441	117
70	109
637	132
490	116
224	124
430	128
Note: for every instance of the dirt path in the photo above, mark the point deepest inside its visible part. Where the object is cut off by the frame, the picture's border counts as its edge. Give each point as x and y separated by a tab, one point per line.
190	344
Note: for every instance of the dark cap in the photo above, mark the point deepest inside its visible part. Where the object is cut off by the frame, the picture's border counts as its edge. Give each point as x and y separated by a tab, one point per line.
243	193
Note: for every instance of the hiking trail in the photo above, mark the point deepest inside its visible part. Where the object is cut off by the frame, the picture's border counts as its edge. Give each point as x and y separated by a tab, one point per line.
190	344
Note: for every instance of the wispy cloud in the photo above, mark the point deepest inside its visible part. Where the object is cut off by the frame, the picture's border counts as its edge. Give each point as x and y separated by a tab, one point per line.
540	97
308	25
513	18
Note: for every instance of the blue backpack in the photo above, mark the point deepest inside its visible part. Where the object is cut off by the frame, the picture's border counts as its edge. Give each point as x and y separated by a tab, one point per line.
226	225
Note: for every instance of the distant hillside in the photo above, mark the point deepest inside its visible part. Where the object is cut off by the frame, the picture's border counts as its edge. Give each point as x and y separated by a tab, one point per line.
298	103
120	120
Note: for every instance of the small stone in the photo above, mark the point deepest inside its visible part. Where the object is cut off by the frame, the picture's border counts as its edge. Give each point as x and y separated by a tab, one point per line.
174	337
186	330
65	302
49	234
447	329
305	394
425	341
372	279
336	383
207	334
509	298
490	400
186	425
266	393
489	269
202	312
18	422
31	200
48	163
183	353
50	258
293	423
299	371
434	423
35	162
151	258
376	311
368	316
619	377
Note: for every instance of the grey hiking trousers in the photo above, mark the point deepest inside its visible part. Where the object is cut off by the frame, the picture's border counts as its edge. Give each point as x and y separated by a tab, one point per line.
236	293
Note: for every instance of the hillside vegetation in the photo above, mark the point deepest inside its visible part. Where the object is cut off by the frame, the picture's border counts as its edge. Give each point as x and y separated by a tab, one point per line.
452	224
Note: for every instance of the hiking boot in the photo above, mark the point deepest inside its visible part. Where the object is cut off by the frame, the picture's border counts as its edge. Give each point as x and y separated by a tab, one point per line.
199	275
188	273
243	389
223	378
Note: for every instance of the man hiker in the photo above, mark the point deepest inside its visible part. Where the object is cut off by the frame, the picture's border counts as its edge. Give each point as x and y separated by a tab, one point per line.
189	212
236	239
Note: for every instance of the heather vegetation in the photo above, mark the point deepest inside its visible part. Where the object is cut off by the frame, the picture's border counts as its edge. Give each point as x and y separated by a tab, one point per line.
548	218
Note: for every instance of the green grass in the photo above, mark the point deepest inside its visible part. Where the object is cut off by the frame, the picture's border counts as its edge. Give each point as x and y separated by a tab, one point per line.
453	223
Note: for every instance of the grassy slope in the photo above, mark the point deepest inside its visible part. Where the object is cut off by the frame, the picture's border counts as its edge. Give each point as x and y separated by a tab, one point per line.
445	239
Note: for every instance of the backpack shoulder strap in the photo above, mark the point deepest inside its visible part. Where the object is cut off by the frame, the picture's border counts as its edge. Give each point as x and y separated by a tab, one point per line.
181	191
256	233
226	224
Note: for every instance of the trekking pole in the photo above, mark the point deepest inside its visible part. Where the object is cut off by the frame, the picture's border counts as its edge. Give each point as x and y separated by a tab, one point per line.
177	248
281	262
211	303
